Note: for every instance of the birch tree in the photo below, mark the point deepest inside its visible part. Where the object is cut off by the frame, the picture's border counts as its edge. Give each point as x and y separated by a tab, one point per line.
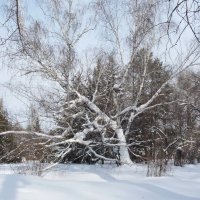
90	108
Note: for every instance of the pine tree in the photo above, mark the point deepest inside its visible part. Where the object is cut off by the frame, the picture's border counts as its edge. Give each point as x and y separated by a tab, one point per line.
4	122
7	143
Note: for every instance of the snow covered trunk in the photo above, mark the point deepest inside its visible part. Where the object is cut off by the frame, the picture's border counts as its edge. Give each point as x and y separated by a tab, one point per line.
123	149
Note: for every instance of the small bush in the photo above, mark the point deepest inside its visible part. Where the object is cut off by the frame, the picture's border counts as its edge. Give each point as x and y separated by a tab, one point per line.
34	168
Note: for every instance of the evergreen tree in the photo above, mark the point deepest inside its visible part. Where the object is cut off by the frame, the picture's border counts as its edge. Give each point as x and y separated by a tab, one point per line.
7	143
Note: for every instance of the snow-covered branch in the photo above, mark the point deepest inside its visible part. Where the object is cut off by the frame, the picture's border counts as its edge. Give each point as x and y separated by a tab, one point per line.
27	133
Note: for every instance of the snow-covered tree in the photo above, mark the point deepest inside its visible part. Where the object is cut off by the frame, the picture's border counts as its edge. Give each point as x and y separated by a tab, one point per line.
97	109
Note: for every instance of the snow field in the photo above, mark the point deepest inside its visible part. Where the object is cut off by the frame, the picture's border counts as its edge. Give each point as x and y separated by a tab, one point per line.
83	182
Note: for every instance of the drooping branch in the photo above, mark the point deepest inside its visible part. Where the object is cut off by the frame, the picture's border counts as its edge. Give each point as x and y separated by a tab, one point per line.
26	133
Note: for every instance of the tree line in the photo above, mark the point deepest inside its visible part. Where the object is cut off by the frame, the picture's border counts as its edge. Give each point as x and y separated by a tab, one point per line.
155	136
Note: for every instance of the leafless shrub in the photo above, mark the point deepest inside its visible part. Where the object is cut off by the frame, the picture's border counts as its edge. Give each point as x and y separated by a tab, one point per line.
33	168
157	167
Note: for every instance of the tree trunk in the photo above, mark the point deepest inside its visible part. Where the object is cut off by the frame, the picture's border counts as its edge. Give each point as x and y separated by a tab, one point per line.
123	149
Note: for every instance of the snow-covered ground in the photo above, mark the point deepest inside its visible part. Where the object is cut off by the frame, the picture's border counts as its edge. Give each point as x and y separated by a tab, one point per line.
82	182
